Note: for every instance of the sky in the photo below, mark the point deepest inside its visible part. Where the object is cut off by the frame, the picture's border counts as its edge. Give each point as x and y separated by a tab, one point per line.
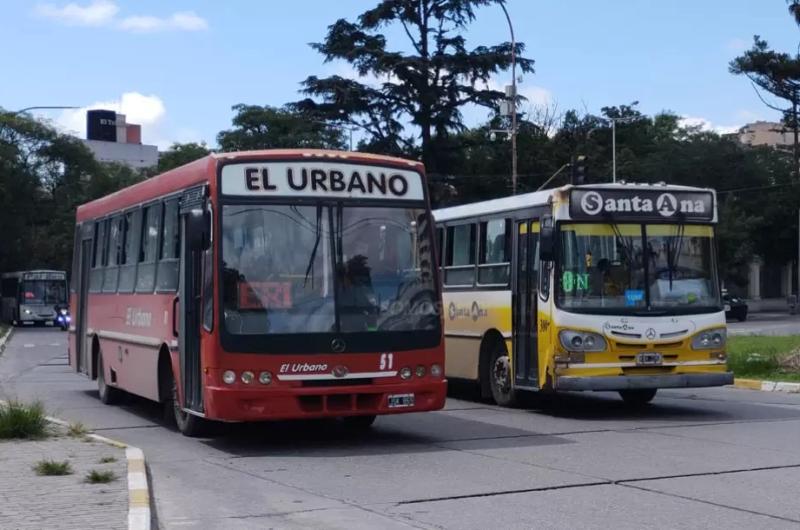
178	67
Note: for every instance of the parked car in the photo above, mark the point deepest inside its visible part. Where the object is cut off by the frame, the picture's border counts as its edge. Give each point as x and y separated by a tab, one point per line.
735	307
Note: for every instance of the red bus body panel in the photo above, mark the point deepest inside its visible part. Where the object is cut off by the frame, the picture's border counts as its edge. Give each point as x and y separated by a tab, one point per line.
134	330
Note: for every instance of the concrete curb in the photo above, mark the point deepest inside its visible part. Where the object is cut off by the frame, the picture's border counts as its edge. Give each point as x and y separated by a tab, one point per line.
767	386
5	339
139	516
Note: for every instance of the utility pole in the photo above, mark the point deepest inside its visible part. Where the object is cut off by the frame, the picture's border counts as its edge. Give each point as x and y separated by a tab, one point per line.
513	103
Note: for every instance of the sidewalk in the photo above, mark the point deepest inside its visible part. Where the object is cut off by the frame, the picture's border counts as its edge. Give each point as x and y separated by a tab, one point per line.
30	501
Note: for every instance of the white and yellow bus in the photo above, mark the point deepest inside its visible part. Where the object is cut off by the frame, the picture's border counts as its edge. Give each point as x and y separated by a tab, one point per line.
603	287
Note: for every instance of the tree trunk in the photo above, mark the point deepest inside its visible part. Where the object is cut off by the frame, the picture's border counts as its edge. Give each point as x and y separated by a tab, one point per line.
796	151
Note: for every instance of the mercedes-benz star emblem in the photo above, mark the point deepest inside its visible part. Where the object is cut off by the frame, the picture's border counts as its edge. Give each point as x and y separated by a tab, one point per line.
338	345
650	333
340	371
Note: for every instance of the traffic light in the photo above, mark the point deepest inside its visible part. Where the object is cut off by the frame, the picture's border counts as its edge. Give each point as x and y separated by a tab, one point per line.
579	169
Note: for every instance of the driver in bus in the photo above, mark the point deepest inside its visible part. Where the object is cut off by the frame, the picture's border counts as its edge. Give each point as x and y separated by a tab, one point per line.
357	296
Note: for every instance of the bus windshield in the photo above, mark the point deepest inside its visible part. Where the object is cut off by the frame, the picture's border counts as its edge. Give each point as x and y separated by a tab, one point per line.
323	269
633	268
43	292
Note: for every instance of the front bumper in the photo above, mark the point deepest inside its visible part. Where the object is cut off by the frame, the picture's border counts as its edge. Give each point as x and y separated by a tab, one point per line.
229	404
624	382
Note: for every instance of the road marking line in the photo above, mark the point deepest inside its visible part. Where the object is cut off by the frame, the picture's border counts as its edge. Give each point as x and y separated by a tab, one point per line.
29	345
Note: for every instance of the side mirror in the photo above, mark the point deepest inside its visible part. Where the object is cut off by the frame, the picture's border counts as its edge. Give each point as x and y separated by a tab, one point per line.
546	238
198	229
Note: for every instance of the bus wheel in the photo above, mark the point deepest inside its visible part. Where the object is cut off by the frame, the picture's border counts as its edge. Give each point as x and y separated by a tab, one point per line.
358	423
108	394
638	397
188	424
500	377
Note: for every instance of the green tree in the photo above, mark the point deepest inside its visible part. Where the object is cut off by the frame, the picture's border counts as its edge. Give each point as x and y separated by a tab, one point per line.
44	176
179	154
425	88
268	127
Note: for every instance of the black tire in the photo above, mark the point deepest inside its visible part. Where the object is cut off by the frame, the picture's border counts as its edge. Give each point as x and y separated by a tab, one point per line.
108	394
638	397
187	424
499	376
358	423
742	316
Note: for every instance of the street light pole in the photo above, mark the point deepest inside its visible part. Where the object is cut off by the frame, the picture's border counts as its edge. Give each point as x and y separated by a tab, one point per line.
513	103
47	107
613	150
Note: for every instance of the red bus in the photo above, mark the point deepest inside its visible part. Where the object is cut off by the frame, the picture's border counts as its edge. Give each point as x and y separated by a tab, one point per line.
263	285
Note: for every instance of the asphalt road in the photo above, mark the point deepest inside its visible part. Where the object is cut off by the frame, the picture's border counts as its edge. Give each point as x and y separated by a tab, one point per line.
766	324
712	458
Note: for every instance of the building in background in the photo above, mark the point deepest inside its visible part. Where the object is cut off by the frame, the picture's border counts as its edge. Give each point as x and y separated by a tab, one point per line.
768	133
111	139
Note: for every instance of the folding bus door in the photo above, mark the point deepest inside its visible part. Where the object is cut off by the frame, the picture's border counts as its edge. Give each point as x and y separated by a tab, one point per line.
526	359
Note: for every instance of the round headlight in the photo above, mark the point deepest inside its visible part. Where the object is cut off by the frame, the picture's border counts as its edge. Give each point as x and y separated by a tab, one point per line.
588	342
228	377
705	340
265	378
576	341
247	377
717	339
436	370
27	311
63	311
405	373
420	371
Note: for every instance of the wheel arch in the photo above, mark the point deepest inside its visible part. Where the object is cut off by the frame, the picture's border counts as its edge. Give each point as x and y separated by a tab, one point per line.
490	339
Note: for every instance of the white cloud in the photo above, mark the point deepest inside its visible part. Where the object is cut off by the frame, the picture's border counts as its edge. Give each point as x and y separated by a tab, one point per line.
104	13
737	44
184	20
706	125
97	13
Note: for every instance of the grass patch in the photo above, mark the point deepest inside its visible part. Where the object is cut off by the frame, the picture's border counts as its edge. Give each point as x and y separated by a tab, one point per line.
100	477
77	430
21	420
763	357
51	468
108	460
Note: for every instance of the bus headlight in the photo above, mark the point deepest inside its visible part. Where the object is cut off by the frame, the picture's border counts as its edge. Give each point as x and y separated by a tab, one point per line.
228	377
436	370
420	371
265	378
581	340
247	377
405	373
710	338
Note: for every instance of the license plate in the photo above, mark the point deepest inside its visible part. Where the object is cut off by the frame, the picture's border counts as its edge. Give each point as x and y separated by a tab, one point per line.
727	307
397	401
648	359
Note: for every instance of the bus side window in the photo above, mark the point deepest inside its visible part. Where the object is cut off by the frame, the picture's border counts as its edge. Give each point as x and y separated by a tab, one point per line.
460	255
76	246
494	264
148	249
99	247
168	252
127	269
113	254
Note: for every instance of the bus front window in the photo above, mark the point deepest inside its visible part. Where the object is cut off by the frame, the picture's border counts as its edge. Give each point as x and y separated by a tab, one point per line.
47	292
326	269
628	266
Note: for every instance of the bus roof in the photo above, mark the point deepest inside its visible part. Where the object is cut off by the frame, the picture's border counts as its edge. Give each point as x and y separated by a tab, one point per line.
539	198
203	170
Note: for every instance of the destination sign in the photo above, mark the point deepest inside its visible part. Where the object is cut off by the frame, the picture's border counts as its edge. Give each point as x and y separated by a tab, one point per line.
44	276
320	179
637	203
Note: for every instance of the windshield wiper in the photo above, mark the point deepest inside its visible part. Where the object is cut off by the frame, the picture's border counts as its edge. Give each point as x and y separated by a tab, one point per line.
317	237
674	252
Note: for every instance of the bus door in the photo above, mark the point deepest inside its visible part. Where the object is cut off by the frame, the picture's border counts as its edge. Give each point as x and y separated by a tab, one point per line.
82	289
193	236
526	359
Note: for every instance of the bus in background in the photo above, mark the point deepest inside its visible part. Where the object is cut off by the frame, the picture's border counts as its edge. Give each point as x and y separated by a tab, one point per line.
263	285
33	297
603	287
